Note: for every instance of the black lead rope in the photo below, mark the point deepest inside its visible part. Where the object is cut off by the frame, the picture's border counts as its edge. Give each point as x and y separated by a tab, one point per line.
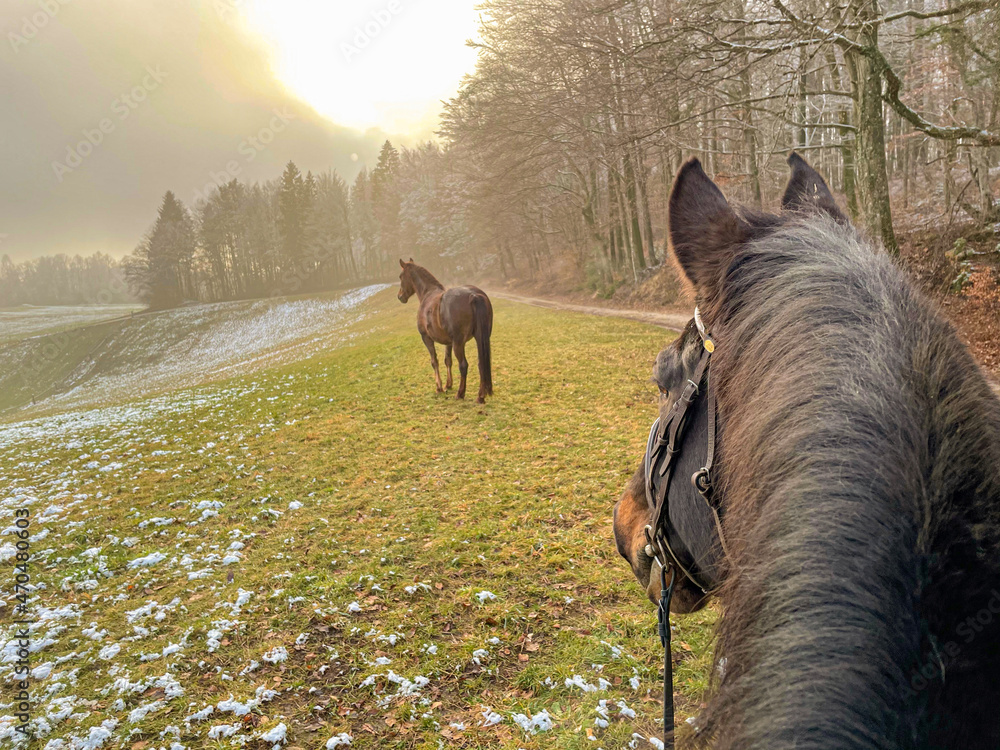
663	627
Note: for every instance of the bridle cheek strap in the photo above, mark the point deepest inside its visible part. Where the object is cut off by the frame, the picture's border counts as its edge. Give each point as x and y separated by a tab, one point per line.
666	435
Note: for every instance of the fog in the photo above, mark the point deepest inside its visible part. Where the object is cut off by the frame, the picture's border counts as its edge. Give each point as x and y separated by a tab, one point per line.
109	103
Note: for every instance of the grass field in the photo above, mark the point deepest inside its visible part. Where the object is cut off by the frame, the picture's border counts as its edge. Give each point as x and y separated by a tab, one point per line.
328	552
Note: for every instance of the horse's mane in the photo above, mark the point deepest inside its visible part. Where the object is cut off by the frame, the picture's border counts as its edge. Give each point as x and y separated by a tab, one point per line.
424	276
858	458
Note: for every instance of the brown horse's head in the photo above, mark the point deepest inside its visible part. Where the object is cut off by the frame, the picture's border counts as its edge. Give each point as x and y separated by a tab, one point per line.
406	286
705	236
673	367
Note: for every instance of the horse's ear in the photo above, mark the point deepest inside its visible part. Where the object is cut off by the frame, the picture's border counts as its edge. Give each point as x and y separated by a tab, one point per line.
411	260
401	263
807	190
704	230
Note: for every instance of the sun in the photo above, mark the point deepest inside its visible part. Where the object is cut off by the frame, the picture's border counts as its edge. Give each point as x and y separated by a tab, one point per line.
384	64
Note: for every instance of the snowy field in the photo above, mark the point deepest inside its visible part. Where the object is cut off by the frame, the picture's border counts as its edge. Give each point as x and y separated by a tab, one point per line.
190	346
226	566
26	321
98	621
62	467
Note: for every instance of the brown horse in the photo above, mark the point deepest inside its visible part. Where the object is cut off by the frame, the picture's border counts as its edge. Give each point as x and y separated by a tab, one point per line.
855	472
451	317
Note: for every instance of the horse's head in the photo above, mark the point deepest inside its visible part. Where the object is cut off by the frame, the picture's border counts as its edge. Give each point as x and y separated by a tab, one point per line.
407	288
632	514
706	236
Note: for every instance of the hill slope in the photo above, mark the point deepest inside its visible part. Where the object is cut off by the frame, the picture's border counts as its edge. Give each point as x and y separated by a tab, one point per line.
329	549
163	351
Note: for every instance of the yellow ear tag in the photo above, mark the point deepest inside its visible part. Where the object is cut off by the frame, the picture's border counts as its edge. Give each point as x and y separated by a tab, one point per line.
709	345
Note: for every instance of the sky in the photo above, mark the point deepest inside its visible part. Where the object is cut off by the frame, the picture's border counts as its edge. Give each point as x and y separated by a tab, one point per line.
109	103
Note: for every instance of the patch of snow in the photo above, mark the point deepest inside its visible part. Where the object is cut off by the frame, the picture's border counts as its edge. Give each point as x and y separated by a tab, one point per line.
277	735
276	654
540	722
147	561
490	718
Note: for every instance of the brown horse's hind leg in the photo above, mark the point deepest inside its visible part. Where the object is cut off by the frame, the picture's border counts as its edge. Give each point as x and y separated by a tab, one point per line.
447	364
429	343
463	368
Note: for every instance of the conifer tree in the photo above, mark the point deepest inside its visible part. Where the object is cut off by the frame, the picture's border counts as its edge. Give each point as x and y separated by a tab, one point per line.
161	270
291	217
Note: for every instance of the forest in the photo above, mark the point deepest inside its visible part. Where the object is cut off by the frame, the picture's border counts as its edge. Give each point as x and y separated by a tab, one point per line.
62	280
556	156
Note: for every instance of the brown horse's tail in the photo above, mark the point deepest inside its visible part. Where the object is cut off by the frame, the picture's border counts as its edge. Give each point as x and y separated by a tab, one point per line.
483	316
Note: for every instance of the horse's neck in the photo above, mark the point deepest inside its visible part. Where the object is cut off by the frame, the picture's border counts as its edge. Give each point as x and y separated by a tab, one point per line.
426	284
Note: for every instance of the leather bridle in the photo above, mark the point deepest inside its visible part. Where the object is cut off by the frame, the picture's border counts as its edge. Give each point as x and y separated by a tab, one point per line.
664	542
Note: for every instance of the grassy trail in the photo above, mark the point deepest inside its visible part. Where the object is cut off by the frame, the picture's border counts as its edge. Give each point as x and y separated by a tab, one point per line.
332	546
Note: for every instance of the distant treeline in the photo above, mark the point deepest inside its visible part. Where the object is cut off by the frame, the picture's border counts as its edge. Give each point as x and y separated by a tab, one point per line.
63	280
300	233
558	152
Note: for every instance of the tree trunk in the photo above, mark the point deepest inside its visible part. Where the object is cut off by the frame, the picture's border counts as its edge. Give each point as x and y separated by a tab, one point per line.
643	185
906	171
803	135
872	178
979	167
616	240
624	245
847	173
750	142
951	159
632	207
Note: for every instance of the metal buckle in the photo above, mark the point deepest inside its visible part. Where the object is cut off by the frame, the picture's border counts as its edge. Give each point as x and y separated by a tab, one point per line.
702	481
652	545
690	392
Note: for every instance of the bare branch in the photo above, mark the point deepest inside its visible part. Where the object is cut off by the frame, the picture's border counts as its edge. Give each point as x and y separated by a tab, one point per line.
893	87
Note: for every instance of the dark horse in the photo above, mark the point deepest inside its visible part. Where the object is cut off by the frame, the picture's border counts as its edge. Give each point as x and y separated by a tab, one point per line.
856	473
451	317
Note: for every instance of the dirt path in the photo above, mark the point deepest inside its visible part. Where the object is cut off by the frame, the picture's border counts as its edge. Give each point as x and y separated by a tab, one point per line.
671	321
